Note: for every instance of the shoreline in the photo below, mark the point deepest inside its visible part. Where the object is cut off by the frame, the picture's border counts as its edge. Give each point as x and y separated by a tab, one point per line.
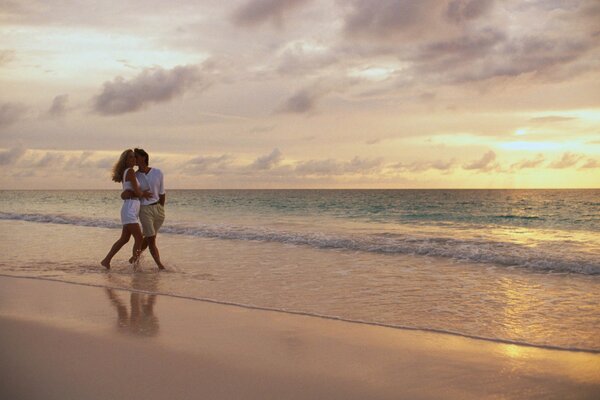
316	315
60	339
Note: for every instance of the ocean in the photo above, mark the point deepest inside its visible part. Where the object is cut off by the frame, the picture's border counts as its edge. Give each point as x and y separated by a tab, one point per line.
511	266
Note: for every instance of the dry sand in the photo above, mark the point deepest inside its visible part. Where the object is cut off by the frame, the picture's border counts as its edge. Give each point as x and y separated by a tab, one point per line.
66	341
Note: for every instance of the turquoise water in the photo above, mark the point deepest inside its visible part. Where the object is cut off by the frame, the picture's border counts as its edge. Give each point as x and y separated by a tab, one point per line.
554	209
551	230
518	266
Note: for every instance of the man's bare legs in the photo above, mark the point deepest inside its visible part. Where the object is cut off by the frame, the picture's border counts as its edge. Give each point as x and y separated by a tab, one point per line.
150	242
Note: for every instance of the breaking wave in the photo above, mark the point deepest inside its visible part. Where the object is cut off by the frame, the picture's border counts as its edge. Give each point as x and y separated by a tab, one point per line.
557	257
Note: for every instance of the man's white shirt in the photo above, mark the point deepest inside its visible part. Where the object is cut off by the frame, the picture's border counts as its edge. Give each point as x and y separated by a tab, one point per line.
153	182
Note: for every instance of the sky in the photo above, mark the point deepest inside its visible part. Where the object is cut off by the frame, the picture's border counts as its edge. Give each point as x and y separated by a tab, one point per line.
302	93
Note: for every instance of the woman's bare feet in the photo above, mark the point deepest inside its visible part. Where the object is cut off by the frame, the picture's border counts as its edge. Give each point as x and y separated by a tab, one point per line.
136	262
105	264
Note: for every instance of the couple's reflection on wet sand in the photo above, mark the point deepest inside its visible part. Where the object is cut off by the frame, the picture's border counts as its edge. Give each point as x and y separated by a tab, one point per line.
139	318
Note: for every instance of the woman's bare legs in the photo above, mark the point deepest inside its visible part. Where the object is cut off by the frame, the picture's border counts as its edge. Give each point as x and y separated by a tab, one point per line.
125	235
135	231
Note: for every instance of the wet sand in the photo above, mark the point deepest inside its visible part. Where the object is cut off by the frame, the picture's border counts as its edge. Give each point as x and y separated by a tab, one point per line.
60	340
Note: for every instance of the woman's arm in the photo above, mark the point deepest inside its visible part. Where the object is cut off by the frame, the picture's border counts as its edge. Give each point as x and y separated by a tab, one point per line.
130	177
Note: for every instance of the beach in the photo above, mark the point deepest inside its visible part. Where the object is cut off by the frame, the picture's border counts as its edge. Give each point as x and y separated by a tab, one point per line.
63	340
340	200
304	294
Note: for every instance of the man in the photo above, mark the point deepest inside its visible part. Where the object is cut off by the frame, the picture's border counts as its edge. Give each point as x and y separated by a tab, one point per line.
152	212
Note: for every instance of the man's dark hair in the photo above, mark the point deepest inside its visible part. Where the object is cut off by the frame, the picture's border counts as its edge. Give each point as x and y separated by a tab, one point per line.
141	152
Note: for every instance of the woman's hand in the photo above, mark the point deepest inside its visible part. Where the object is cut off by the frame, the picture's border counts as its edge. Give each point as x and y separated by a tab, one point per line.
146	194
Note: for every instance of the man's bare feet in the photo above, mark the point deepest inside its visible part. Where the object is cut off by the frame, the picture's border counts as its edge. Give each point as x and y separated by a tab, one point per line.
105	264
161	267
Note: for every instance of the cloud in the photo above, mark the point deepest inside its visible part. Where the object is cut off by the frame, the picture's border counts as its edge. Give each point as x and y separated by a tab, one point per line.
551	119
421	166
536	54
213	164
384	22
50	160
441	165
59	106
319	167
271	165
491	53
6	56
257	12
78	13
463	10
11	113
523	164
10	156
262	128
387	19
363	165
330	167
104	163
455	51
268	161
484	164
566	161
46	163
153	85
305	100
304	58
302	101
591	163
83	161
416	22
463	41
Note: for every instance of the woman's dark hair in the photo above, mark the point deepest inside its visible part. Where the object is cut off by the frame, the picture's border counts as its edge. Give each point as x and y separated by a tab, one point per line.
141	152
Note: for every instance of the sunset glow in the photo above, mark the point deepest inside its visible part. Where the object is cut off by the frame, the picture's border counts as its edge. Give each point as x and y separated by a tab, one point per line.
302	93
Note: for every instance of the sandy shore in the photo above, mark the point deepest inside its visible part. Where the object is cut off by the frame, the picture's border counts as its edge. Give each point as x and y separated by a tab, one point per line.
61	341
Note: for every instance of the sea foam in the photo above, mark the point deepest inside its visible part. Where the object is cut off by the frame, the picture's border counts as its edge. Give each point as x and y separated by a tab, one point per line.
560	256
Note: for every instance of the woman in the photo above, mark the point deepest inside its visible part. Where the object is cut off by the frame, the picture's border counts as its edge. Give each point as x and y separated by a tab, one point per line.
123	172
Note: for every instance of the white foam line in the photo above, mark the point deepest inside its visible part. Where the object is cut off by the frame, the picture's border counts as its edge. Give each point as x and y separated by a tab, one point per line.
506	254
316	315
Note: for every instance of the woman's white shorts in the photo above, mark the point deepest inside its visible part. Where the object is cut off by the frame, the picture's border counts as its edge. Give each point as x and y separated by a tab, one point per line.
130	211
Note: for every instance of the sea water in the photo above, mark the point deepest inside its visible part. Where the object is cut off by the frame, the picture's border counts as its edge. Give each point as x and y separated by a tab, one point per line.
516	266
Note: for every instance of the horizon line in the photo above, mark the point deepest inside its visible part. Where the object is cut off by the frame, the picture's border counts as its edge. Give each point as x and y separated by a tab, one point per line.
309	188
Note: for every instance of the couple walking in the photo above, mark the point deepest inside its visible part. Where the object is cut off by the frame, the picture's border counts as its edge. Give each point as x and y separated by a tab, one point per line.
144	199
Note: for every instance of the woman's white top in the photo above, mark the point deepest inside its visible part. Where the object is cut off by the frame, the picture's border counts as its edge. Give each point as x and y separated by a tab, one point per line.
126	184
131	207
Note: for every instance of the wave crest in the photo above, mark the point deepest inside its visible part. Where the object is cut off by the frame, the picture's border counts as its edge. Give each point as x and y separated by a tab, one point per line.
557	258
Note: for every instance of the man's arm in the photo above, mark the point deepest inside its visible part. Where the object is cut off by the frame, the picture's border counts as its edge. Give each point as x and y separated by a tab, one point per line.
161	190
127	194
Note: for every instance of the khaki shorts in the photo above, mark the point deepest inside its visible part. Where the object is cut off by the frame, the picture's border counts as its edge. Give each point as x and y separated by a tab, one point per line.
152	218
